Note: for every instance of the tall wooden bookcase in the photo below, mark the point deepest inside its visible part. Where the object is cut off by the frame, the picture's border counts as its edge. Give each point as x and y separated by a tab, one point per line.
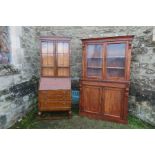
55	81
104	86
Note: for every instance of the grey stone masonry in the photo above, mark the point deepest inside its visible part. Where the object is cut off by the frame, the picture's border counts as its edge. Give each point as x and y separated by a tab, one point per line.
19	78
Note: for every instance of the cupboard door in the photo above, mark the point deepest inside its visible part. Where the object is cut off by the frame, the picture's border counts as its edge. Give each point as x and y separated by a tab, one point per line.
113	100
48	58
115	60
91	99
94	60
63	61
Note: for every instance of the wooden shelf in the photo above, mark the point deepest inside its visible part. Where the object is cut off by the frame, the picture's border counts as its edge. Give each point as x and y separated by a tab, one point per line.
115	67
95	58
47	66
91	67
116	57
63	66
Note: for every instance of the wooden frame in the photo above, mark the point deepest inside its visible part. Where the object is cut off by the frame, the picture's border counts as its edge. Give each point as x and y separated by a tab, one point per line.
114	89
54	89
55	41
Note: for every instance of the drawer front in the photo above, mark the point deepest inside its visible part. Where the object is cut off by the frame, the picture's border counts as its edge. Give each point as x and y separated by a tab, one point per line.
55	95
54	104
59	95
42	95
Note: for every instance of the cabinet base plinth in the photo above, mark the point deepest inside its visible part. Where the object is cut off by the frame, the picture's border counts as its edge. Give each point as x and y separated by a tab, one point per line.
100	117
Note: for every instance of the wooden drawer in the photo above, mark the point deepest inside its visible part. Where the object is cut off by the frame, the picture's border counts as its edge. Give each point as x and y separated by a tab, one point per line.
42	95
52	100
59	95
50	104
55	95
57	103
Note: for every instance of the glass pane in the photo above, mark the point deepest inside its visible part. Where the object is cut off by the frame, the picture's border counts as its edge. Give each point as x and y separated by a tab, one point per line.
50	60
63	71
50	54
66	60
63	47
94	51
50	47
63	60
115	62
60	48
47	54
94	60
44	47
66	48
48	71
115	72
93	72
45	59
63	54
96	63
60	60
117	50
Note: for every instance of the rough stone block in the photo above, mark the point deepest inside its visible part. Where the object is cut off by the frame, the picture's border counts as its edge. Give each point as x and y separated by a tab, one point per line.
153	35
3	120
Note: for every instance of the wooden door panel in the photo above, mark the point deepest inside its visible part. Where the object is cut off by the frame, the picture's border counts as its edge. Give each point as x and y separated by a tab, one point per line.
91	99
113	99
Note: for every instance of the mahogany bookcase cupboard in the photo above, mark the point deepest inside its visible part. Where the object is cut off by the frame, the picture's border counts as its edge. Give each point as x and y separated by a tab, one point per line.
104	86
55	81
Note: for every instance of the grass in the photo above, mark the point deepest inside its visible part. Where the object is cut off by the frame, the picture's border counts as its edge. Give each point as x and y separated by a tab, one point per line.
32	121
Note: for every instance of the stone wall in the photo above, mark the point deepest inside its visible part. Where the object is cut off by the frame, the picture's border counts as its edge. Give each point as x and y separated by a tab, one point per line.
142	90
19	78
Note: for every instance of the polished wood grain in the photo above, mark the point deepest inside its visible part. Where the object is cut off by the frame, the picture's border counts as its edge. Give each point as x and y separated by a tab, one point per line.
55	82
92	99
105	95
55	100
113	100
55	57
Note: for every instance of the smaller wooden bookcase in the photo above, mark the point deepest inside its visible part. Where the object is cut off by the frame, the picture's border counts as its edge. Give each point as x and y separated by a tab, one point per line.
55	81
104	85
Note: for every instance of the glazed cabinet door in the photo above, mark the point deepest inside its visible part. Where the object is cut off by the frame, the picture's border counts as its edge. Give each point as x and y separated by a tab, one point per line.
115	61
55	57
113	100
91	99
63	59
94	60
48	58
